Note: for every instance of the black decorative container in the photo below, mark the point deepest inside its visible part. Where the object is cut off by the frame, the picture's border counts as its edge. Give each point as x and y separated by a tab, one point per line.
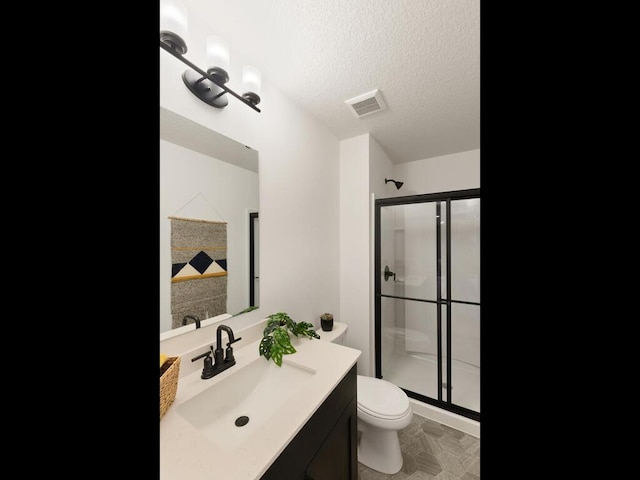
326	322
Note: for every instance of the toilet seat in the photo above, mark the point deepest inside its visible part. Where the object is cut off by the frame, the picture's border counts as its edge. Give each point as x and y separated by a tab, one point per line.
381	399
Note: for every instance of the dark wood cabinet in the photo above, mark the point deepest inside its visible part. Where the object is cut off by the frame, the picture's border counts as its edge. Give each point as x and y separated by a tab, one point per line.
326	447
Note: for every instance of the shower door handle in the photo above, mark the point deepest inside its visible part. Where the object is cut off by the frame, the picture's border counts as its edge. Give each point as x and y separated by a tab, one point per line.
388	273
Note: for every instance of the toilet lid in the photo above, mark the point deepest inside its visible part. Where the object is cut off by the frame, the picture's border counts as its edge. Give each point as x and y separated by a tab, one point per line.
380	398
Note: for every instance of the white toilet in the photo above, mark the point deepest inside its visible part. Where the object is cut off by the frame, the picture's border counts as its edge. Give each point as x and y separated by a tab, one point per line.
383	409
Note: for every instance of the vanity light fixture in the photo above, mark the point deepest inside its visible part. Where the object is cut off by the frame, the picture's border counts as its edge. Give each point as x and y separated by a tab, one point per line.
251	83
398	184
208	86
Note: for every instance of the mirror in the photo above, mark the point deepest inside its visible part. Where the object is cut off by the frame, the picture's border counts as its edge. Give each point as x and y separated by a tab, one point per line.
206	179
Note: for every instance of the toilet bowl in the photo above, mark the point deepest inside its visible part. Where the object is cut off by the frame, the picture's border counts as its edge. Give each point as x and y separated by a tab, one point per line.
383	409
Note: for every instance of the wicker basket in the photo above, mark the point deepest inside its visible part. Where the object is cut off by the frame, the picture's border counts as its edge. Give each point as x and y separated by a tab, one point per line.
168	383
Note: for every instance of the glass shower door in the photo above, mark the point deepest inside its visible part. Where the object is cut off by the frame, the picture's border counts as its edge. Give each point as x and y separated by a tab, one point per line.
428	298
465	303
409	320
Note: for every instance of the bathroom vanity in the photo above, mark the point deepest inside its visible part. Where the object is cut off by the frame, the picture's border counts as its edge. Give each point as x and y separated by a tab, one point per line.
299	419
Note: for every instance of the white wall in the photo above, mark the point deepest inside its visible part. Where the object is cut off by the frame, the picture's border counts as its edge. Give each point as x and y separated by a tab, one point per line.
380	167
193	185
299	186
355	255
458	171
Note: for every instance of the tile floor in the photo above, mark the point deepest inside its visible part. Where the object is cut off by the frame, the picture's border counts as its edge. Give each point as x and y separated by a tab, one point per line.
432	451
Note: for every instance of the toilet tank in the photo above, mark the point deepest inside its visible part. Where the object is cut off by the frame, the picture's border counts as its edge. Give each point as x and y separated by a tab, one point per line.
336	335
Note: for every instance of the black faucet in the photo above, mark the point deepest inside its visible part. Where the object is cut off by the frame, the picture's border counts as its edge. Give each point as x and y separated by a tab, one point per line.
191	317
221	362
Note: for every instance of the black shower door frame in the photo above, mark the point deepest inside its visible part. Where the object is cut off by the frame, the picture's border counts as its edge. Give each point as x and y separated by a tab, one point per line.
445	197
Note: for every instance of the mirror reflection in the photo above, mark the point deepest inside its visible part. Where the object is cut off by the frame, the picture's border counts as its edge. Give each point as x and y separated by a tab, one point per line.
209	223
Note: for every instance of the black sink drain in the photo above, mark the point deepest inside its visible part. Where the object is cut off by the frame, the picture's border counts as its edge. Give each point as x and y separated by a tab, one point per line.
242	421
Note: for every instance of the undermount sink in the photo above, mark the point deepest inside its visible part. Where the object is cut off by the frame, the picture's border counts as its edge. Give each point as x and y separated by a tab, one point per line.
232	409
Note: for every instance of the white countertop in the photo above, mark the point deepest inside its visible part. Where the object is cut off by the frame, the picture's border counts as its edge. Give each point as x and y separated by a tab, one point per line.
186	454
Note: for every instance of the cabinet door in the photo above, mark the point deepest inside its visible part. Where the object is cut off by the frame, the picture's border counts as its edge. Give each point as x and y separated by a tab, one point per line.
327	442
334	458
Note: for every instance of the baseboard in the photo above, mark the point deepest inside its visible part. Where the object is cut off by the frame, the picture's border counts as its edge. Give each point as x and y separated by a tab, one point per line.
452	420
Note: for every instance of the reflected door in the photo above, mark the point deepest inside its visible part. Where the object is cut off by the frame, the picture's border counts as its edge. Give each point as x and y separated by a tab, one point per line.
254	260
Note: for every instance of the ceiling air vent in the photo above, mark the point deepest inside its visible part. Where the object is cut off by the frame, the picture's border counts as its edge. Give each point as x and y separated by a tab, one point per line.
366	104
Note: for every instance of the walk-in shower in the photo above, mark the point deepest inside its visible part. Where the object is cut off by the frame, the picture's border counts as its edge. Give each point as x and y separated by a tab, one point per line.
427	298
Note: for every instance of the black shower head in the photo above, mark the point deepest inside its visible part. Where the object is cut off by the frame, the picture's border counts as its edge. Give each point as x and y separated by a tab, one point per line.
398	184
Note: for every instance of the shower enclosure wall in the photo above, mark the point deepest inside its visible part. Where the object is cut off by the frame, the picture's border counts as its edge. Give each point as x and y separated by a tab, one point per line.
427	298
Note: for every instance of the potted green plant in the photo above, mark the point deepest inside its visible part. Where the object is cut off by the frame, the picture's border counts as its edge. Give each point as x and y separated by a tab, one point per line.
326	322
276	340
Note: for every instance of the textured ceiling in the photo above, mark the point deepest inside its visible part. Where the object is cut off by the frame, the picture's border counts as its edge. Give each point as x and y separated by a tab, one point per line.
423	56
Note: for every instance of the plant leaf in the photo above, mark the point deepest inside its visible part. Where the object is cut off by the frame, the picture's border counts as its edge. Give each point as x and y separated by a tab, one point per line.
272	325
306	329
281	337
265	347
282	318
276	354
